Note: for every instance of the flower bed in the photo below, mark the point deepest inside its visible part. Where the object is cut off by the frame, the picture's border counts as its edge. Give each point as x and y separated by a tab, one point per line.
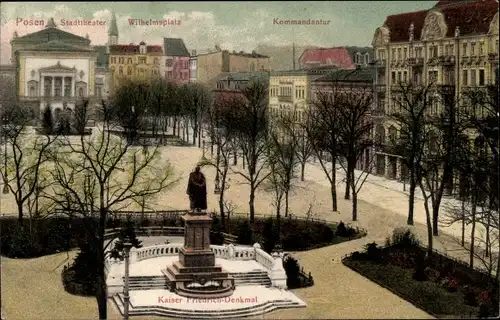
437	284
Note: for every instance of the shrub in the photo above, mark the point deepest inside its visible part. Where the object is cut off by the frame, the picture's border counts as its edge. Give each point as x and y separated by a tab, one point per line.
47	120
356	255
345	232
216	236
373	252
292	269
245	234
420	264
404	238
470	297
270	235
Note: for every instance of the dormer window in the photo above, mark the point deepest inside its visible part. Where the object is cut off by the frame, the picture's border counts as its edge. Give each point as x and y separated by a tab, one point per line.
367	58
357	59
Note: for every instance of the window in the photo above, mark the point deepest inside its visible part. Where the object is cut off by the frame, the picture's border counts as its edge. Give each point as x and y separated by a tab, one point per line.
113	60
399	53
433	51
169	74
120	72
67	87
80	92
405	76
418	52
449	77
47	87
481	48
473	49
32	90
405	53
142	60
473	78
129	71
464	49
465	77
169	63
58	87
156	61
481	77
433	75
142	49
129	60
121	60
393	56
99	91
399	77
393	77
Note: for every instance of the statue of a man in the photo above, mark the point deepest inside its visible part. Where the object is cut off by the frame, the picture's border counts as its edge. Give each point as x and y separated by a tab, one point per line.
197	190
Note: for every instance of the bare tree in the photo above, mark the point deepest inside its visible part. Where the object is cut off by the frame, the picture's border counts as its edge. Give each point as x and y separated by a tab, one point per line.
220	115
197	104
323	134
251	120
100	174
283	162
354	104
295	129
409	113
26	157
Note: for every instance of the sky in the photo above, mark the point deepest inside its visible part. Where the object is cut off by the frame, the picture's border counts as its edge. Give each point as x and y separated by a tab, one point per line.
231	25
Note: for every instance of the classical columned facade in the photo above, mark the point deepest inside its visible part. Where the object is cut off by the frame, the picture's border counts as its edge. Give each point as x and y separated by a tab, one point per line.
443	47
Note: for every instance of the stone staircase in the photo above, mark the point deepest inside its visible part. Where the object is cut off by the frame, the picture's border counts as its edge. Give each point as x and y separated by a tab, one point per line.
251	278
234	313
147	283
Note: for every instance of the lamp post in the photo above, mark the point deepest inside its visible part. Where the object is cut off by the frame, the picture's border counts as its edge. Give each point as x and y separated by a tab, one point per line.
126	298
217	179
4	131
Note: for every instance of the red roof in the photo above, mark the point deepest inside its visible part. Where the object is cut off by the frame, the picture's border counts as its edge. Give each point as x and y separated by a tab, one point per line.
133	49
338	56
472	18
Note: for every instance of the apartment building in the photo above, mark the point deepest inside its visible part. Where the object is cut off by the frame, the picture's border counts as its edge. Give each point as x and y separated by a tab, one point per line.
453	45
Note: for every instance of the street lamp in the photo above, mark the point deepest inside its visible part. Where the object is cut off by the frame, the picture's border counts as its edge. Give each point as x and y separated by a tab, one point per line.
203	156
126	298
217	179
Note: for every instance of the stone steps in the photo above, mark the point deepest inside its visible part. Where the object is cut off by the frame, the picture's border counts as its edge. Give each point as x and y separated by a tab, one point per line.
161	282
204	314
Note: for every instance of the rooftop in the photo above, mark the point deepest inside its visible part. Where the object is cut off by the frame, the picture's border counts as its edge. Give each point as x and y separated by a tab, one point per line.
175	47
133	49
243	76
366	75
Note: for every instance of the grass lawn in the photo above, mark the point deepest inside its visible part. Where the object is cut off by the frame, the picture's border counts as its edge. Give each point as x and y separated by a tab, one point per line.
426	295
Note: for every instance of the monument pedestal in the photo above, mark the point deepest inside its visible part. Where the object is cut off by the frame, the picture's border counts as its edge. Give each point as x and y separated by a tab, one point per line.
196	275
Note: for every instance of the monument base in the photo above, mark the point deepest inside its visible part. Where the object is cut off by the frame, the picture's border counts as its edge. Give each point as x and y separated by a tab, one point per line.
195	275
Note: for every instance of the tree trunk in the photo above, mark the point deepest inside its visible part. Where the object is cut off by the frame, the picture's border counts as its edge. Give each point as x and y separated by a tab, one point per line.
20	212
200	128
428	220
251	204
348	181
287	194
221	205
463	223
488	241
411	199
354	197
235	158
435	217
333	186
302	170
473	231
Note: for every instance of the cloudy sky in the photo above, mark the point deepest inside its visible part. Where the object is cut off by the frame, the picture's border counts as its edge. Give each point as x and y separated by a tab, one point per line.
231	25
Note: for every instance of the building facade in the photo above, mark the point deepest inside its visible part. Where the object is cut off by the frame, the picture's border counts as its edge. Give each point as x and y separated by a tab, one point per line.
211	65
177	61
134	62
55	68
193	67
453	46
338	57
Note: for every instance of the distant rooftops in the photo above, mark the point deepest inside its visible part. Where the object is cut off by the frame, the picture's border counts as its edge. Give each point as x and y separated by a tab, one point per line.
253	54
133	49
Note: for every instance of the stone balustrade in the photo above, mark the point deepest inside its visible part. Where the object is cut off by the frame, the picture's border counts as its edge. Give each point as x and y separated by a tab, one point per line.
229	252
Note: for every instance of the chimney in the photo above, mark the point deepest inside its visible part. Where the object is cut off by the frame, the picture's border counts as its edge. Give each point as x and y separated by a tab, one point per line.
193	53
